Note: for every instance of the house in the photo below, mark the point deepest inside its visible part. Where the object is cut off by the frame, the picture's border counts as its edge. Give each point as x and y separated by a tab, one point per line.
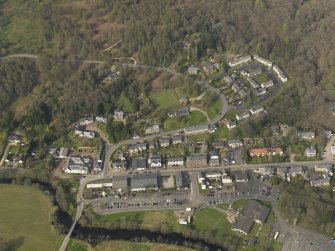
63	153
183	100
138	164
15	139
175	161
234	143
213	175
306	135
267	84
328	133
135	136
226	180
86	121
280	73
295	170
251	213
144	181
192	70
243	115
324	168
281	172
332	150
182	180
263	61
275	130
252	82
196	161
78	165
256	110
235	87
152	144
153	129
119	165
257	152
177	139
154	160
185	111
320	182
84	133
239	60
208	69
310	152
212	128
196	130
241	176
261	91
267	170
231	124
218	144
118	115
102	120
214	158
164	142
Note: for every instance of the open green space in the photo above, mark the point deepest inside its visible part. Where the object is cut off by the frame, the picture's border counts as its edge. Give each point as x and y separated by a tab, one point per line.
210	219
126	216
25	216
262	78
165	99
194	118
214	109
76	245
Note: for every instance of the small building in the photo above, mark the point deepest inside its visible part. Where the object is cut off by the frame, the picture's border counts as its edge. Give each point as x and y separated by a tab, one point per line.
153	129
182	180
257	152
218	144
239	60
118	115
86	121
192	70
213	175
164	142
209	68
256	110
275	129
261	91
177	139
152	144
154	160
15	139
243	115
263	61
306	135
102	120
175	161
63	153
119	165
185	111
267	170
196	161
281	172
226	180
144	181
320	182
310	152
183	100
138	164
78	165
267	84
280	73
324	168
231	124
241	176
295	170
234	143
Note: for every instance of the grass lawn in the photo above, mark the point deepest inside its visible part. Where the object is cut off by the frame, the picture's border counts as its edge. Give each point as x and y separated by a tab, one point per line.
214	109
239	204
262	78
135	246
221	133
209	219
76	245
25	213
165	99
194	118
126	216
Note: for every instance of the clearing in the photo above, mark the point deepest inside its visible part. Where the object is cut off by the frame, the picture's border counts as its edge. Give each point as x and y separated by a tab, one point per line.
194	118
165	99
25	216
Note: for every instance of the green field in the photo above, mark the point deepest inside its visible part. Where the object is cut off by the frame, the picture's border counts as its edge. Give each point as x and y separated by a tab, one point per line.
210	219
194	118
214	109
165	99
126	216
262	78
25	216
